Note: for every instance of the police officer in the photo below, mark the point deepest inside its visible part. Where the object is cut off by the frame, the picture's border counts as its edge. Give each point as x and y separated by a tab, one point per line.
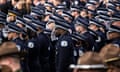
13	35
50	27
75	12
38	12
79	41
20	22
81	27
69	18
11	17
47	15
113	35
33	48
60	8
95	26
64	47
44	45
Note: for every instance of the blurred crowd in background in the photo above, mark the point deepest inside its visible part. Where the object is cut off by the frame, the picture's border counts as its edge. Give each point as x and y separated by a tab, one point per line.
59	35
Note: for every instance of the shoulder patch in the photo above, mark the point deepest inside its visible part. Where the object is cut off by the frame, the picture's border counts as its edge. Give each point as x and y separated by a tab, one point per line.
31	45
18	47
64	43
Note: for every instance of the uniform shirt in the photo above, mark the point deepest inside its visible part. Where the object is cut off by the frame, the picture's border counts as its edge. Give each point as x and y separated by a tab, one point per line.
90	42
19	43
101	40
22	48
44	49
33	56
64	53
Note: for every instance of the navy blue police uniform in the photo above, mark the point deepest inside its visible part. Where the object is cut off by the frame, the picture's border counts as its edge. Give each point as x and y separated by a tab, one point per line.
65	53
44	46
89	37
64	50
33	50
51	50
78	41
20	45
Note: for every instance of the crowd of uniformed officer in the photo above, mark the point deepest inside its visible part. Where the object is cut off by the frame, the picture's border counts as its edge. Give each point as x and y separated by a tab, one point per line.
64	36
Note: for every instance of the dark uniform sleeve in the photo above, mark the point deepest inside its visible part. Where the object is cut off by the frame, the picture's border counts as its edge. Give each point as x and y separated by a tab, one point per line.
65	55
33	62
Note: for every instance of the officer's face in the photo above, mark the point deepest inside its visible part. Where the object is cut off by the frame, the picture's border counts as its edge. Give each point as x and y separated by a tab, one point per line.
11	18
20	5
112	35
91	7
67	19
83	13
116	23
110	13
93	27
74	13
60	12
90	15
13	2
20	25
46	18
51	26
48	8
11	35
79	28
118	8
